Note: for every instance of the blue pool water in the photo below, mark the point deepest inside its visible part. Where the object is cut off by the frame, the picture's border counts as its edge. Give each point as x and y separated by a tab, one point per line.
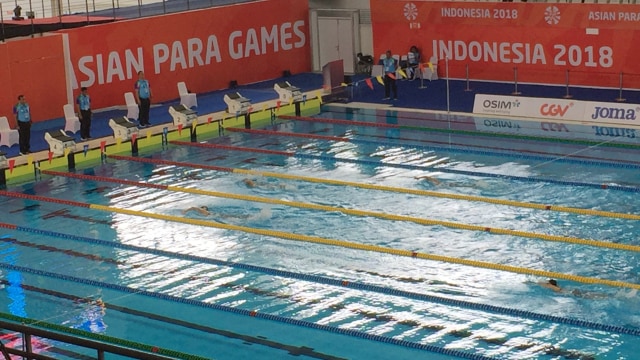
251	280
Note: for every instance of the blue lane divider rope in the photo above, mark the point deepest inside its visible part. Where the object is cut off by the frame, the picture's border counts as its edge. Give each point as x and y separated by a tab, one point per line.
277	318
344	283
471	173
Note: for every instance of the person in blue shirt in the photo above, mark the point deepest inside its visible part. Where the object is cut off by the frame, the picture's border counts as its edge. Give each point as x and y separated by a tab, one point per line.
23	118
143	98
83	102
390	66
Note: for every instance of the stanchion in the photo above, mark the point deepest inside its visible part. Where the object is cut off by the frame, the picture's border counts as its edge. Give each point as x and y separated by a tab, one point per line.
446	67
467	75
247	121
422	86
515	82
297	105
620	98
567	95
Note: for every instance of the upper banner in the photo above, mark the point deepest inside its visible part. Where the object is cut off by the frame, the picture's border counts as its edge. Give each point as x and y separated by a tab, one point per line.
204	48
579	44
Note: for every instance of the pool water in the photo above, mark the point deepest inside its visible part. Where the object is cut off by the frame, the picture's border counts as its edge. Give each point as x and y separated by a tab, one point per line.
253	279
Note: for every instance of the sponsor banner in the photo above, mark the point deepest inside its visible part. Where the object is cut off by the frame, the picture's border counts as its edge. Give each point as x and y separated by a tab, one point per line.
558	109
205	48
612	113
556	129
554	109
591	44
34	68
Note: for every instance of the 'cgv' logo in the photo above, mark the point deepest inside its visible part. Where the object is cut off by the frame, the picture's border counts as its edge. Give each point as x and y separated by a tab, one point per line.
613	113
554	109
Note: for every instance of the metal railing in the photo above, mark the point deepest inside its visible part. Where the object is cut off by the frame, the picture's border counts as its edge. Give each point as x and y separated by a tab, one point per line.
30	349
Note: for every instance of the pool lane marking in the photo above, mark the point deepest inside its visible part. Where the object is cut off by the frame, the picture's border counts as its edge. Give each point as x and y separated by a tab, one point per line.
331	242
363	213
496	152
528	205
331	281
458	131
251	313
407	166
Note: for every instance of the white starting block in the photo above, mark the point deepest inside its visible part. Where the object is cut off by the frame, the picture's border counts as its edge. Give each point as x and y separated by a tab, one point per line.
123	128
59	142
236	103
182	115
287	92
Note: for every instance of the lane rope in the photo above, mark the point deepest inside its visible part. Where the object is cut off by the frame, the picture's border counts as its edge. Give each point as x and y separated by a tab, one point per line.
333	242
342	283
410	167
493	150
495	153
361	213
250	313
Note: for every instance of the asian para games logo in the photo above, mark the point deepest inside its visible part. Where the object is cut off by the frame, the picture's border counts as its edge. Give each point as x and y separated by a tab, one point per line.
552	15
410	11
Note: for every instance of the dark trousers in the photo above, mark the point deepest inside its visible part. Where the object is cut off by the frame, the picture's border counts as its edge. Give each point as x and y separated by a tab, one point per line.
144	106
24	132
85	124
389	86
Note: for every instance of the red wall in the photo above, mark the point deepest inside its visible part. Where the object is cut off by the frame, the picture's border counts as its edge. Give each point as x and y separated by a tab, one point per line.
594	43
207	49
34	68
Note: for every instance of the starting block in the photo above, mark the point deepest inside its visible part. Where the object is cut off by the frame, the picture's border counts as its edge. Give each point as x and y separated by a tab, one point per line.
182	115
59	142
236	103
287	92
123	128
3	160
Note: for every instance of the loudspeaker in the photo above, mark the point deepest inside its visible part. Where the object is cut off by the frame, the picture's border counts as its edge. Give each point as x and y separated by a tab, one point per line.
233	84
286	73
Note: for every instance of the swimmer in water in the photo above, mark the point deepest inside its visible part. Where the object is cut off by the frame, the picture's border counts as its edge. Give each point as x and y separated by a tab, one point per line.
202	210
553	285
262	184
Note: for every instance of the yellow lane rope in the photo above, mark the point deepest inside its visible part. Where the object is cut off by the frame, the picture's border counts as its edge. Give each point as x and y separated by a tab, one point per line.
372	248
442	195
417	220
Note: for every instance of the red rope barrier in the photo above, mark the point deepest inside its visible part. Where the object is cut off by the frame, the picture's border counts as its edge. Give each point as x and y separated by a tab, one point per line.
43	199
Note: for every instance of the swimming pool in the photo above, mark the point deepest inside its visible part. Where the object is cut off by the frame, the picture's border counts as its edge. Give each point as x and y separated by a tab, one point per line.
349	241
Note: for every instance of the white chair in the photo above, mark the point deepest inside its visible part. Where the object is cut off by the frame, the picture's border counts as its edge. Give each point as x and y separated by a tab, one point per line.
186	98
377	70
71	121
429	74
8	136
132	108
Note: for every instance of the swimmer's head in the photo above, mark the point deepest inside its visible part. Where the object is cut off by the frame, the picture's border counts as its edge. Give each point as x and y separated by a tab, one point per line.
553	282
204	208
248	182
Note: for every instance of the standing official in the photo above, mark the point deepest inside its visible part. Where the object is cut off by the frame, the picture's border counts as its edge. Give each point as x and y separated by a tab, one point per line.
83	102
22	114
143	98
